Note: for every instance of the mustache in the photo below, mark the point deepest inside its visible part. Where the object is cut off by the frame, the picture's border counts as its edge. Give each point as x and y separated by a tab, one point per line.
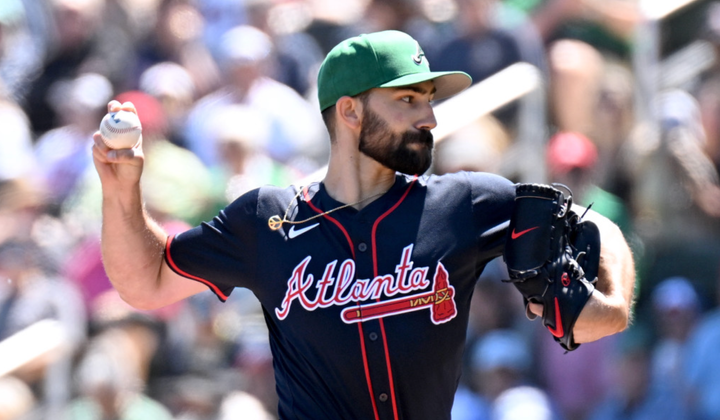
423	137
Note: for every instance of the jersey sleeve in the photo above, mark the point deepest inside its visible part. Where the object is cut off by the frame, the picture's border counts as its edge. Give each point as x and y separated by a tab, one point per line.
493	199
221	253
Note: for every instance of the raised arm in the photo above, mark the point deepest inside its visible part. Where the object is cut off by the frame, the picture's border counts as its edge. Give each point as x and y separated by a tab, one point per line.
132	243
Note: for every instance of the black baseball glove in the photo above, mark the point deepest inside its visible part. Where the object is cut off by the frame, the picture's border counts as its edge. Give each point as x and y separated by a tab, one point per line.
552	257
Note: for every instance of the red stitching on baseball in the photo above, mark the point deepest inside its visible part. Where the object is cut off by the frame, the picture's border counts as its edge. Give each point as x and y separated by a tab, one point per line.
119	130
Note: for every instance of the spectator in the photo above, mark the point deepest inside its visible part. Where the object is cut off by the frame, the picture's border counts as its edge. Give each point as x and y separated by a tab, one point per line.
220	16
298	55
82	45
631	397
607	25
676	308
63	153
178	37
193	397
296	129
165	177
700	364
242	406
590	94
576	70
676	193
16	398
469	406
480	146
523	403
500	360
17	159
495	306
480	48
575	381
172	85
20	53
241	134
333	21
417	18
707	88
112	373
500	367
30	293
613	123
22	203
572	160
678	164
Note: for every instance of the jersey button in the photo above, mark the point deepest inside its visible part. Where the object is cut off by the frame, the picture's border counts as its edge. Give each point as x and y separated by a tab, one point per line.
373	336
362	247
383	397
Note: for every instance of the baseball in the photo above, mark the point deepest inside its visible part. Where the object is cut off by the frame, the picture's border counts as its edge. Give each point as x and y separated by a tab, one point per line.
121	129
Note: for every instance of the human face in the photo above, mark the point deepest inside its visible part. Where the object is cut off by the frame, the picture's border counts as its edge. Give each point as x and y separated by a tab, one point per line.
406	150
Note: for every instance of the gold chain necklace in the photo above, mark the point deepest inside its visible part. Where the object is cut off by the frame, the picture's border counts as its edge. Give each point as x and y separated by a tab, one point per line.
275	222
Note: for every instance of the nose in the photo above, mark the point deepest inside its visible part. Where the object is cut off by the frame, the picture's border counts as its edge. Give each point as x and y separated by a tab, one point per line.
428	121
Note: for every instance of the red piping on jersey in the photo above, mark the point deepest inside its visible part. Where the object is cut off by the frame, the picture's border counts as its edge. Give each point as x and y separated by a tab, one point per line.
366	365
214	288
342	229
367	371
375	273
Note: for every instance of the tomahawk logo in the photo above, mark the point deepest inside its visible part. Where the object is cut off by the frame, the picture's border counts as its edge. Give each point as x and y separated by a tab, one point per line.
339	287
419	55
440	302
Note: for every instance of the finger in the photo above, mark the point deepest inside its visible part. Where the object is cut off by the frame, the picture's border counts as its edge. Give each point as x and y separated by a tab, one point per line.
121	155
99	149
128	106
99	154
107	155
114	106
99	143
536	308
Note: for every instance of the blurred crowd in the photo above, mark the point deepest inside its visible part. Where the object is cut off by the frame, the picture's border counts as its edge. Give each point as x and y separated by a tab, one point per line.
225	90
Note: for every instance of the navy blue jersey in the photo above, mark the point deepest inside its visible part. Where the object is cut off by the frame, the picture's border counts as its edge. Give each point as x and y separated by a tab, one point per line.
367	310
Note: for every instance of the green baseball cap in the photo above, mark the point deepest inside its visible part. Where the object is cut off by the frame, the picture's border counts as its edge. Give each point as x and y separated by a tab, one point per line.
381	59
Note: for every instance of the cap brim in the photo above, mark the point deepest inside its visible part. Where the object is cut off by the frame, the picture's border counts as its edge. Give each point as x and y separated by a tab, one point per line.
447	83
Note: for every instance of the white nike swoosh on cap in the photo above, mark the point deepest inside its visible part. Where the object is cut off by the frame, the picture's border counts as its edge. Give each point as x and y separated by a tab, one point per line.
292	233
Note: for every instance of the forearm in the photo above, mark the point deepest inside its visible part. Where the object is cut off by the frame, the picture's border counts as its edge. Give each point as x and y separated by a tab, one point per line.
609	309
132	247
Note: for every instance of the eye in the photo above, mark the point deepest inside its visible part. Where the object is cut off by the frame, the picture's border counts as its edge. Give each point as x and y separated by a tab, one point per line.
407	99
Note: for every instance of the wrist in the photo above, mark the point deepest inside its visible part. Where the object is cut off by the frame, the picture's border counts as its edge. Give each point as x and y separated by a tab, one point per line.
602	316
126	203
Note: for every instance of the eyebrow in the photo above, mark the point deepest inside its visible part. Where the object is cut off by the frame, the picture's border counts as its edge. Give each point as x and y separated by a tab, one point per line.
417	89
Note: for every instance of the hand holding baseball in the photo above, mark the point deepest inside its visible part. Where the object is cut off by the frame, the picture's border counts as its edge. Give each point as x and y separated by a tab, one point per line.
121	129
117	151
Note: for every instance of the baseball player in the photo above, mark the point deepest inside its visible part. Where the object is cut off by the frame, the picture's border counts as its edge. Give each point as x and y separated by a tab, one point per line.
365	278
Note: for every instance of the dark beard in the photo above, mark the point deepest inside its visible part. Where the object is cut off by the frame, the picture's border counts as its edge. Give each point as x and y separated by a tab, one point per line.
394	150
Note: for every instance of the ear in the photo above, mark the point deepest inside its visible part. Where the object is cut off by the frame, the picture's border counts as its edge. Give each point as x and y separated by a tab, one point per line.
349	112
